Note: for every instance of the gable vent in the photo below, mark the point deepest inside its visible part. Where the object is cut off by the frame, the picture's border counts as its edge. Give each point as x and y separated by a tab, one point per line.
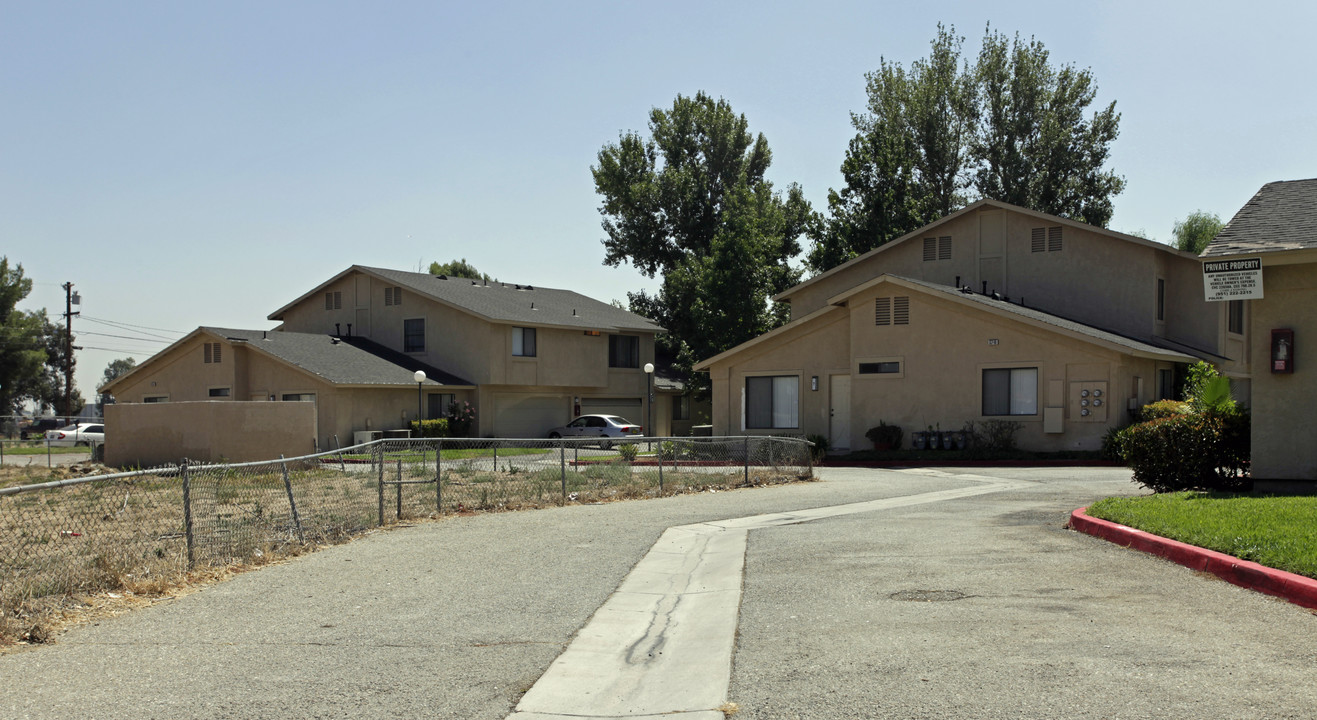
1037	242
1054	239
901	311
930	249
882	311
944	248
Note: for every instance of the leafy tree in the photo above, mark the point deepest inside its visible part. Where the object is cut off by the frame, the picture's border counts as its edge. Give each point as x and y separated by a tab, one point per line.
1196	231
458	268
22	350
1009	127
690	202
116	369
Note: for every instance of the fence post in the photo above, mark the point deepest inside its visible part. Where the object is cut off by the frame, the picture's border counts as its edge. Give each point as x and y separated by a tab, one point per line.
439	475
341	465
187	516
496	457
562	467
398	517
809	458
380	449
48	460
747	459
660	461
292	504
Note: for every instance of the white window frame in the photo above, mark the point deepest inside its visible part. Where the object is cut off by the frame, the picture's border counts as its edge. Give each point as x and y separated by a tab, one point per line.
786	417
1021	391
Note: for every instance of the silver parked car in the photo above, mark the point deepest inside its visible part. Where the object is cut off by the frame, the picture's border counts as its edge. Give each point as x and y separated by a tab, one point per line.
79	434
601	426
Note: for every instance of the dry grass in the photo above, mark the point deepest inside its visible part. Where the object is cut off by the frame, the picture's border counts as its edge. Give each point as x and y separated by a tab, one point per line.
100	548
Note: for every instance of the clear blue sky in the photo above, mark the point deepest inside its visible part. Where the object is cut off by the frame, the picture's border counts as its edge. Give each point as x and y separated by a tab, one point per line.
190	164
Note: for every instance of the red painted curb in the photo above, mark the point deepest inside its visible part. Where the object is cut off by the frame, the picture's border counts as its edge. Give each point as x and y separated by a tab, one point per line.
1297	589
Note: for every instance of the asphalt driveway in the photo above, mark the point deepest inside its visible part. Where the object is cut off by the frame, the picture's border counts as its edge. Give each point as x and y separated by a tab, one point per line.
980	606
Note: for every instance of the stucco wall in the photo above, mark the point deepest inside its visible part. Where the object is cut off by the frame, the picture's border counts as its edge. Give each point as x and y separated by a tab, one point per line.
943	353
1096	279
143	435
1282	404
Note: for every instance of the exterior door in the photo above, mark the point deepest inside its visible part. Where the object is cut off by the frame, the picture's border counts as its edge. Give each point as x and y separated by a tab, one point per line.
839	412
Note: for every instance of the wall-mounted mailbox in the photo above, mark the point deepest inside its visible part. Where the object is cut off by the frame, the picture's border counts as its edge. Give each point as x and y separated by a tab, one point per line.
1282	351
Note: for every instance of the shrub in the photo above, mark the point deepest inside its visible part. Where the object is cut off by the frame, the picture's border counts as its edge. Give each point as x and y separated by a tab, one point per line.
884	434
998	435
821	446
628	452
431	428
1163	409
1191	451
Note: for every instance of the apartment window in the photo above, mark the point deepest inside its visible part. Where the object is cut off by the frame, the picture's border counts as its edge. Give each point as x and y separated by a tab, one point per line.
1235	317
413	335
334	301
772	402
1161	299
298	397
155	399
623	351
219	392
210	352
880	368
1165	384
392	296
681	407
523	342
891	311
1010	391
438	404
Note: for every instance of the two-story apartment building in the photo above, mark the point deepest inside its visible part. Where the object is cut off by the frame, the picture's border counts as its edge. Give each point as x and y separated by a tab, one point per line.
994	312
526	358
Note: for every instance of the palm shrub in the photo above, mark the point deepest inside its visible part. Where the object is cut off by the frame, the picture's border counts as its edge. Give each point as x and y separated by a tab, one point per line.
1200	444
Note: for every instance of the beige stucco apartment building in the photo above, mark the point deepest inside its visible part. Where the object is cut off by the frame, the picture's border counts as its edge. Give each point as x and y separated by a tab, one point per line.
994	312
526	358
1278	227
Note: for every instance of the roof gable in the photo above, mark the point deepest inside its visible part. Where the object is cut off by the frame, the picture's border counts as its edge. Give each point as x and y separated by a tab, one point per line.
973	207
1280	216
504	303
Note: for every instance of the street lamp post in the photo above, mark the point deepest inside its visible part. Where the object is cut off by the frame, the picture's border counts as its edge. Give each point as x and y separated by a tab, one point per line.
649	423
420	378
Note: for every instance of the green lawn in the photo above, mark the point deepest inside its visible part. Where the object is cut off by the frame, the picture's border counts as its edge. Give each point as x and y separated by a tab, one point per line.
41	450
1277	531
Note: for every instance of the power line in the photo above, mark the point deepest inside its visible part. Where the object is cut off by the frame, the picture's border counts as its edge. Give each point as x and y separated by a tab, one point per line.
130	325
125	337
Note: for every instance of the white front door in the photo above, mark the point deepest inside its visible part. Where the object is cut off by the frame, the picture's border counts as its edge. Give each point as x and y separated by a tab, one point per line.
839	412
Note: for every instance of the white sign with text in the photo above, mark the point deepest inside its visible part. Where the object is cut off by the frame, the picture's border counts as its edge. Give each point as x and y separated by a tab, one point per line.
1234	279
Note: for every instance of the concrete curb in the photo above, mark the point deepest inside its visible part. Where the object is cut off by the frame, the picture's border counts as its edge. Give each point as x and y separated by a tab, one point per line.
1297	589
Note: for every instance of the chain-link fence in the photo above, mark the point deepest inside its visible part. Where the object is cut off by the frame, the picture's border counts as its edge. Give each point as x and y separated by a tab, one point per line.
141	531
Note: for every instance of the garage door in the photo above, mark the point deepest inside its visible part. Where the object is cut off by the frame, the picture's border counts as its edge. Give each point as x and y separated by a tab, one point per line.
628	408
529	416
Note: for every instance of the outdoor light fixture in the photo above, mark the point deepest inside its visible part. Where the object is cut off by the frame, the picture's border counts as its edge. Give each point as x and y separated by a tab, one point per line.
420	378
814	383
649	425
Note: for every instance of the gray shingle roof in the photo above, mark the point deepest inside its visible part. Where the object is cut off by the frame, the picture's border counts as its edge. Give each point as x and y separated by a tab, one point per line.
1281	216
1046	318
349	361
511	303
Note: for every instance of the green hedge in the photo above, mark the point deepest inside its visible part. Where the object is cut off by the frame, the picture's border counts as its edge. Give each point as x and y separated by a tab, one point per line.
1188	451
431	428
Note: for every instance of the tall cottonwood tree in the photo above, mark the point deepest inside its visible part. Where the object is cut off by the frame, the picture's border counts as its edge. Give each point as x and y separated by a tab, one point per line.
1009	127
691	203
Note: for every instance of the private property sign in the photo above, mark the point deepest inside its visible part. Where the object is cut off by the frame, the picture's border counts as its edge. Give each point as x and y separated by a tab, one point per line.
1234	279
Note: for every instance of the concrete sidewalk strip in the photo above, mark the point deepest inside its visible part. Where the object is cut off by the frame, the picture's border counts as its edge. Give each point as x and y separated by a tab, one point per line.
662	644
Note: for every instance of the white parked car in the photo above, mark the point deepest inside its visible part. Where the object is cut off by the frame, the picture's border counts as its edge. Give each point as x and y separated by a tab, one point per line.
79	434
601	426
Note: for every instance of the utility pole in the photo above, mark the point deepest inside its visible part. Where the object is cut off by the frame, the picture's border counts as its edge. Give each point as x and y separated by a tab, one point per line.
70	298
